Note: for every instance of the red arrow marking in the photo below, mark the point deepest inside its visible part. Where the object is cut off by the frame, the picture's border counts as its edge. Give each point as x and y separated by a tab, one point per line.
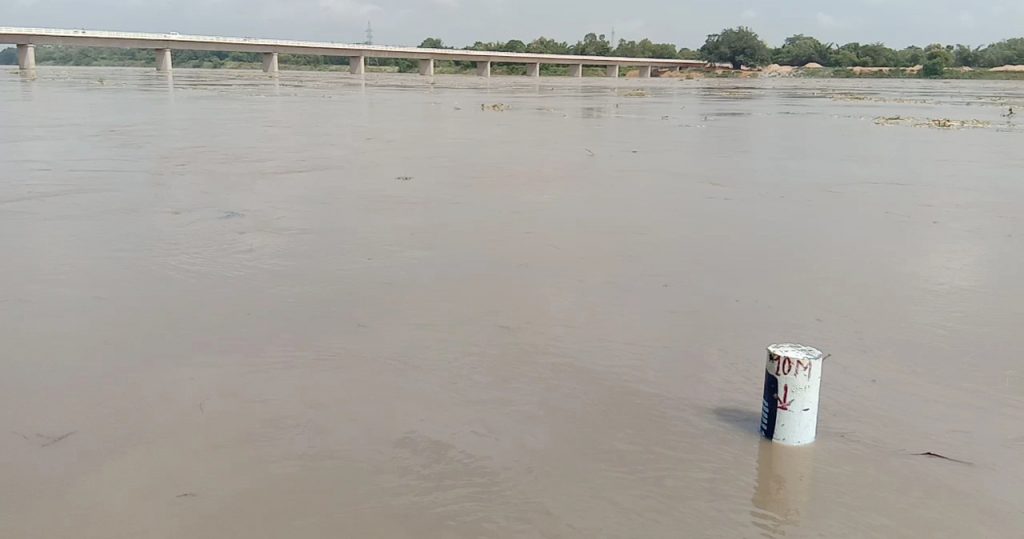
784	402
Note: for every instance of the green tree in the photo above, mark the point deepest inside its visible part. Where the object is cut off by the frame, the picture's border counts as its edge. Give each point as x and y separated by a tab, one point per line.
938	51
800	49
1008	51
244	57
844	58
593	45
739	46
514	46
965	56
9	57
628	49
847	55
933	68
660	50
910	56
688	54
432	43
877	55
645	48
936	60
545	45
484	46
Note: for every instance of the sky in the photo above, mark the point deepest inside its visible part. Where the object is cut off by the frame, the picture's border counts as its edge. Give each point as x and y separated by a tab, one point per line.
897	23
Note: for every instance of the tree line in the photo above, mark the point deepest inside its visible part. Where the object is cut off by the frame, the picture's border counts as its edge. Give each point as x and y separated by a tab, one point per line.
739	46
591	45
742	46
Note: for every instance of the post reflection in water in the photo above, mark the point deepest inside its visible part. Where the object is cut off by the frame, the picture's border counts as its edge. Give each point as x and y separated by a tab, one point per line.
782	489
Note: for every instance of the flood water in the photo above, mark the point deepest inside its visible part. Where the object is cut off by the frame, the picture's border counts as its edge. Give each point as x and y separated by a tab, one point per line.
322	306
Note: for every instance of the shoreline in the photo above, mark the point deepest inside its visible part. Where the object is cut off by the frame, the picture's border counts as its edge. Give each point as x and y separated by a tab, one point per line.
769	72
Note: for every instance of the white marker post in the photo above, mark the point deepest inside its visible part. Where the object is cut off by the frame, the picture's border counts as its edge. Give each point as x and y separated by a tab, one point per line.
789	407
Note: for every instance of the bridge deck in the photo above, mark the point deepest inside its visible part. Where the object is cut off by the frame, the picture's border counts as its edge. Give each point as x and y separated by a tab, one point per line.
96	38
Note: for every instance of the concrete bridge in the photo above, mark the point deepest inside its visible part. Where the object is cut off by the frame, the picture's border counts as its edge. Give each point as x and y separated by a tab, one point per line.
27	38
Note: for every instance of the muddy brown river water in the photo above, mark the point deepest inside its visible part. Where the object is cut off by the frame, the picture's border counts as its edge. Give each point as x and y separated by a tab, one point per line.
324	307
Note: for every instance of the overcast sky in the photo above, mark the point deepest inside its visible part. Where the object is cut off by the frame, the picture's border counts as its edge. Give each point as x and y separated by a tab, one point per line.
460	22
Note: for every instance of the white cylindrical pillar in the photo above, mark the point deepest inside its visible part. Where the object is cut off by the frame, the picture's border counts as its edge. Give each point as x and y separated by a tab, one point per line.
645	72
270	62
533	70
357	65
575	70
27	56
613	71
789	406
483	69
163	60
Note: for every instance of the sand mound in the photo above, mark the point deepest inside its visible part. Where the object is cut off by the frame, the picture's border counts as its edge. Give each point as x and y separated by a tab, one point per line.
813	65
777	70
860	70
1013	68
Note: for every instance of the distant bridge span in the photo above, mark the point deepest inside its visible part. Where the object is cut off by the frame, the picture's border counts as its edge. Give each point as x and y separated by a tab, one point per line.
27	38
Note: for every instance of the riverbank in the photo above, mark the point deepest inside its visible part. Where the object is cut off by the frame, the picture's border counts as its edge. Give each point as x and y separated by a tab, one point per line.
915	72
455	68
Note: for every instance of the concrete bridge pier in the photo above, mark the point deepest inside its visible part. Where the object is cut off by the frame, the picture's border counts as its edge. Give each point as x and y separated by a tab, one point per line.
357	65
645	72
575	70
612	71
27	57
427	67
270	63
533	70
483	69
163	60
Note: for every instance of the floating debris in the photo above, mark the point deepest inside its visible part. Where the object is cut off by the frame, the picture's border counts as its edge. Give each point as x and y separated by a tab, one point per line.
943	457
496	107
50	440
877	99
891	120
937	123
946	123
638	92
403	178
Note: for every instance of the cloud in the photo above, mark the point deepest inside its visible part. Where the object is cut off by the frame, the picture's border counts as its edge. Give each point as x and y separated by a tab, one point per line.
631	27
826	20
346	9
966	18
